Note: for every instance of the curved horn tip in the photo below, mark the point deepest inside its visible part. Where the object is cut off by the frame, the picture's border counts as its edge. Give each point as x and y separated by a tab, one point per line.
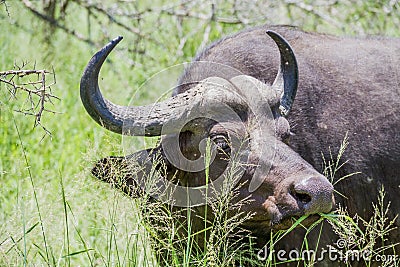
113	42
269	32
278	39
117	39
111	45
273	34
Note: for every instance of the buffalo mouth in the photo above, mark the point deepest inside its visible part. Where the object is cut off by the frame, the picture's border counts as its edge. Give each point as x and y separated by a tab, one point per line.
285	223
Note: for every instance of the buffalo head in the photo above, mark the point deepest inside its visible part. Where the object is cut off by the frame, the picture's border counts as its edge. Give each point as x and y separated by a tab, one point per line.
240	116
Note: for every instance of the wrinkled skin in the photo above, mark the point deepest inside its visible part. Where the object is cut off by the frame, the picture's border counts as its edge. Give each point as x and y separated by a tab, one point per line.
287	186
291	188
345	85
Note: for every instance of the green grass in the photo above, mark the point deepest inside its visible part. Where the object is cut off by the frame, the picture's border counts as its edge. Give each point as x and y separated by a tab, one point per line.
53	212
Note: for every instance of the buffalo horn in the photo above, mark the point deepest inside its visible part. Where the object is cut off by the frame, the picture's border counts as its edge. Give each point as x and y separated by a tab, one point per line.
287	78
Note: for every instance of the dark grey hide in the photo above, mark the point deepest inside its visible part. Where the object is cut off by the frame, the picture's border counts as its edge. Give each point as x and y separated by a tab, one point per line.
345	85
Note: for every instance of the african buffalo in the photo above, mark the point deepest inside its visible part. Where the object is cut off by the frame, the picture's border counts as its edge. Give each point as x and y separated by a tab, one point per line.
344	85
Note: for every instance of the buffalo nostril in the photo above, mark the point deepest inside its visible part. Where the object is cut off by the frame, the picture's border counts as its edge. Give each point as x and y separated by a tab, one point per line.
302	197
314	194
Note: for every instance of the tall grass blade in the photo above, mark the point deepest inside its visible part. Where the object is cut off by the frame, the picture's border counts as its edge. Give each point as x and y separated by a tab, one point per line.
34	191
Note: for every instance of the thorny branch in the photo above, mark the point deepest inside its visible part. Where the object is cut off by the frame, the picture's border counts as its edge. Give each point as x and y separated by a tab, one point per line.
33	85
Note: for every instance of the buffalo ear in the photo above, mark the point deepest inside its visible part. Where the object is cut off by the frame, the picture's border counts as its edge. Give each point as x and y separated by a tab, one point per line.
124	172
117	172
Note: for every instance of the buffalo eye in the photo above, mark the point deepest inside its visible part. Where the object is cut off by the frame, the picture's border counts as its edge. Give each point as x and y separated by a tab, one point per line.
282	129
221	141
286	137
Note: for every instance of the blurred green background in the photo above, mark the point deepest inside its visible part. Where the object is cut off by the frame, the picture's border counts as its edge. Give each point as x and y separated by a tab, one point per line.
52	211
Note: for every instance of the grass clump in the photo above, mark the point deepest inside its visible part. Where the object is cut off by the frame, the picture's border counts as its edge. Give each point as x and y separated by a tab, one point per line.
366	240
209	235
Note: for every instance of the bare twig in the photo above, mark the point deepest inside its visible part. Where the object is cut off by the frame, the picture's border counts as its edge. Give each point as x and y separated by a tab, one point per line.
111	17
21	73
312	10
33	84
6	6
54	22
118	16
